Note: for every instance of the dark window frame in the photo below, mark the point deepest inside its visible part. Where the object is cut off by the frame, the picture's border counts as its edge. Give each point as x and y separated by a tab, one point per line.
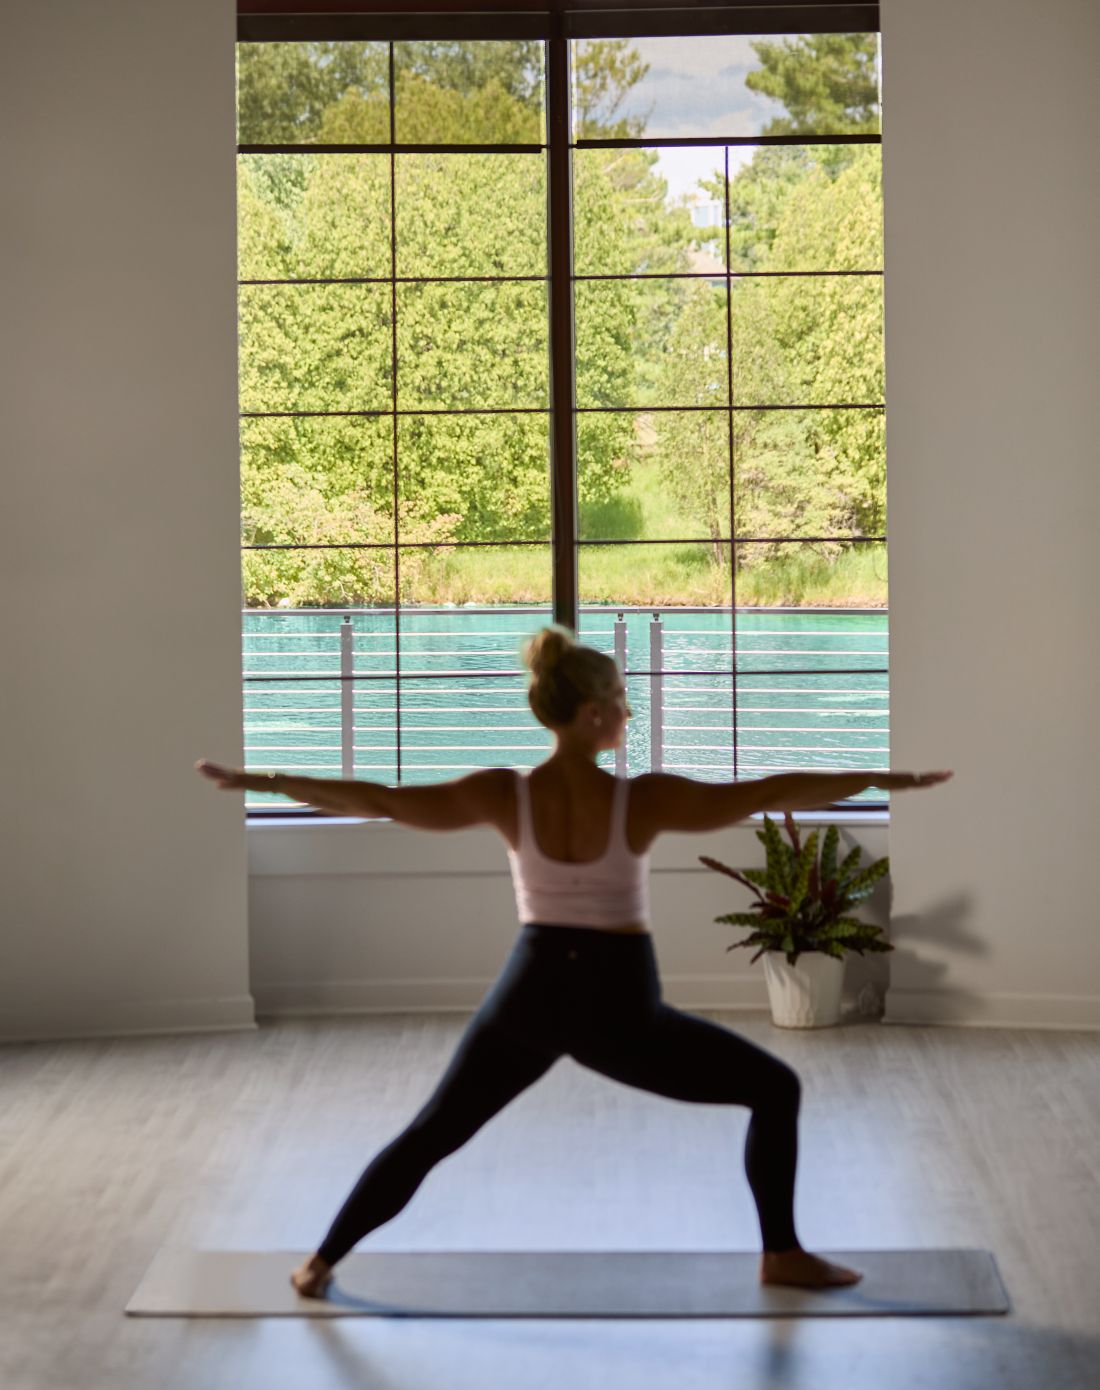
282	21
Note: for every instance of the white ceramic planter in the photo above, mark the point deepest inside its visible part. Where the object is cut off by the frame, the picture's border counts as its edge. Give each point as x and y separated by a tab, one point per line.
806	995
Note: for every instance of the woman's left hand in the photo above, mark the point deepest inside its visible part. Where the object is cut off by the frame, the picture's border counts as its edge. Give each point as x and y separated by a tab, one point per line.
228	778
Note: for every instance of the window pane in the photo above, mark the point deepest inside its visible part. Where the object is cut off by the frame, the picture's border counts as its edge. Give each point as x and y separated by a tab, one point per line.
651	342
806	341
375	716
809	473
696	725
471	214
472	346
680	723
661	577
783	722
311	725
839	577
315	347
336	577
313	93
802	207
629	216
319	216
792	723
291	727
474	477
653	475
477	92
452	726
483	576
663	210
726	85
309	480
458	721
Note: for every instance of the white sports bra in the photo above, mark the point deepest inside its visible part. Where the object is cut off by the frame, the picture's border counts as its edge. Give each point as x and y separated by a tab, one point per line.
605	892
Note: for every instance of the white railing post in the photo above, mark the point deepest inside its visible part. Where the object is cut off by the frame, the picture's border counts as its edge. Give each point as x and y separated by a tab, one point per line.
347	699
656	695
620	662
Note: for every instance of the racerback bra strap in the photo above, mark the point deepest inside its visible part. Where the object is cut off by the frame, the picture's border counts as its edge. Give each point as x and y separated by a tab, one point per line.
617	832
523	806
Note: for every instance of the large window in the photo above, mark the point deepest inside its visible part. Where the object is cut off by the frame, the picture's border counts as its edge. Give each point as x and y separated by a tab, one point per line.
583	328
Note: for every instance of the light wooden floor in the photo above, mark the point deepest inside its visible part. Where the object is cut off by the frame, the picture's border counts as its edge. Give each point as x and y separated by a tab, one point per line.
909	1137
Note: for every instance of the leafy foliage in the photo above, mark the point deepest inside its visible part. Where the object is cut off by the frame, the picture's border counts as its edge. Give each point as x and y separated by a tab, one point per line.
827	82
802	902
796	340
657	341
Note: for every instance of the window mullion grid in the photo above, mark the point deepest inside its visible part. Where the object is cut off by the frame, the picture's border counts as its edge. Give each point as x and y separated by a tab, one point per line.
729	423
559	232
393	421
564	547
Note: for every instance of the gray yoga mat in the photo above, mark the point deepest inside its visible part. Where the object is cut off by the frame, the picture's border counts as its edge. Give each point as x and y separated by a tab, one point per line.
563	1284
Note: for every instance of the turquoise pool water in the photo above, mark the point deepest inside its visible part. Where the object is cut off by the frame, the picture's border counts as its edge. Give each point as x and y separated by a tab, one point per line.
462	695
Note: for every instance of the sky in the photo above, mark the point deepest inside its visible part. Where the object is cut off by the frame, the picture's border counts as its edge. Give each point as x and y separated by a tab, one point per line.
696	86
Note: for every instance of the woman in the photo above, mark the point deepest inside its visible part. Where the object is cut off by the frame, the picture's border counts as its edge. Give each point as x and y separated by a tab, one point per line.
581	979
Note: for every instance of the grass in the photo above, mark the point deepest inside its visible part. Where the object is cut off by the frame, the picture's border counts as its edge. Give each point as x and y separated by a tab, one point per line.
663	576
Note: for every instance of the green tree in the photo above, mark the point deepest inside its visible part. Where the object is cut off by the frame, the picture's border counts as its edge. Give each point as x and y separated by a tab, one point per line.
604	71
797	339
692	448
469	67
758	193
830	330
660	340
827	82
469	346
284	89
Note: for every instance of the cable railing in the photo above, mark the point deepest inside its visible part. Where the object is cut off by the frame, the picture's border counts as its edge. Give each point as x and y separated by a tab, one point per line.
359	692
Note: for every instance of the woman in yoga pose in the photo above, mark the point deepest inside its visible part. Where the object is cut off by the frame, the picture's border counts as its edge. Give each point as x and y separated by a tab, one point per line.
581	979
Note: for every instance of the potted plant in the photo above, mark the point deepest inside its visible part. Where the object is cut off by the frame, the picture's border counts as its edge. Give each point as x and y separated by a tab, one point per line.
801	922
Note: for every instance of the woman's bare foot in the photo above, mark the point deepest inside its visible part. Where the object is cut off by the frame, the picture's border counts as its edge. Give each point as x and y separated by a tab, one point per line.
802	1270
312	1277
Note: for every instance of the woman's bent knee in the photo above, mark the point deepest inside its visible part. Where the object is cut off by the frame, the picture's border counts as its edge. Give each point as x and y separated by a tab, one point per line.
786	1086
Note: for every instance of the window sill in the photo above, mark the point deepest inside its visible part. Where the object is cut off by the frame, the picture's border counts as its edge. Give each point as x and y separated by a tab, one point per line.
860	817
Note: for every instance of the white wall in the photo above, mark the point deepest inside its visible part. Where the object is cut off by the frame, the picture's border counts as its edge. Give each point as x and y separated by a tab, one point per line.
124	884
123	894
991	130
992	203
353	915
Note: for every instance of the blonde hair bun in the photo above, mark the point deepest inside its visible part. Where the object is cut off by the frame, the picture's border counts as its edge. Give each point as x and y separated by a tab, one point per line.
564	673
545	650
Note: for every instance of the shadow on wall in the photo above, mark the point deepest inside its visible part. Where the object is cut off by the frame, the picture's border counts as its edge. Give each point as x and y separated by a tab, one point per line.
867	977
942	926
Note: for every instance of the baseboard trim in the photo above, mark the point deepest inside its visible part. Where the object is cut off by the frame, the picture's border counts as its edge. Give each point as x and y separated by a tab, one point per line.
732	993
124	1019
965	1009
954	1008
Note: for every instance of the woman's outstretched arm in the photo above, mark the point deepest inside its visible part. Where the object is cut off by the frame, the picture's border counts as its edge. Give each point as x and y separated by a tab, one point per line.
475	799
681	803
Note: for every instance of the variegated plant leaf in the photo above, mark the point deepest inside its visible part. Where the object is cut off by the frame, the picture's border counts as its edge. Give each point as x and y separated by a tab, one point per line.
851	863
806	859
828	854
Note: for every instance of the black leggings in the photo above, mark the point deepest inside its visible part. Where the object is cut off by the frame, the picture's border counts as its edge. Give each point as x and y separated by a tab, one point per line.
594	996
